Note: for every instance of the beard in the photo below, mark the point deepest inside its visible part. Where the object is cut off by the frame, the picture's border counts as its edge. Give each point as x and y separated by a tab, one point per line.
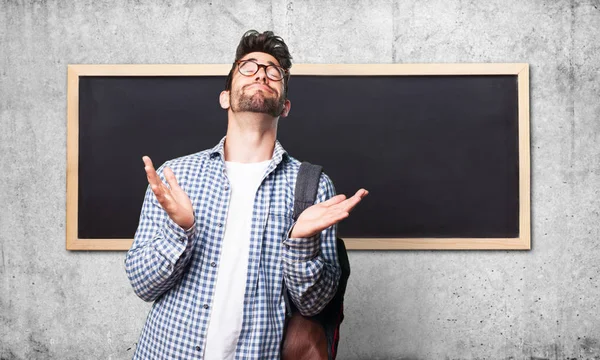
258	103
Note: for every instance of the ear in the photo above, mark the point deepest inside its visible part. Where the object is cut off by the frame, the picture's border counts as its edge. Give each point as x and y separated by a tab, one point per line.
287	106
224	99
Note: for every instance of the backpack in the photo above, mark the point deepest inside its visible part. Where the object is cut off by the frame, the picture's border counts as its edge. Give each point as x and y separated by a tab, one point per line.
314	337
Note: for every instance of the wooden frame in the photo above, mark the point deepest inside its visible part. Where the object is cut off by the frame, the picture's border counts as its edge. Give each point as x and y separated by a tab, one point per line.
523	242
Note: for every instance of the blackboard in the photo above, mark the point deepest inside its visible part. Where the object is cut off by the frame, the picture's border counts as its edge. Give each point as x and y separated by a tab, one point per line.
444	155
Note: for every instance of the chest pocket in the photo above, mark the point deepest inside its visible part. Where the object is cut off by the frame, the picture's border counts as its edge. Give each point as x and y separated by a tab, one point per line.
278	225
281	211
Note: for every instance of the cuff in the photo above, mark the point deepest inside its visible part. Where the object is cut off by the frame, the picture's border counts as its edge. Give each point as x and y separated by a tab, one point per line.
176	232
176	239
301	249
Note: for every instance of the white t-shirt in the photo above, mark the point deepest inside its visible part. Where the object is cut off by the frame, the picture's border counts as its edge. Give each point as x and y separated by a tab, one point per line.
227	311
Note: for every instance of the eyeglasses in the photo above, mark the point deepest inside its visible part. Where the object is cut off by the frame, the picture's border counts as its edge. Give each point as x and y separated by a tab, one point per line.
250	67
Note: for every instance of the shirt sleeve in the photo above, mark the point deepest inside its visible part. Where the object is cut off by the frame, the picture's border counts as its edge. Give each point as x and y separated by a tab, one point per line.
310	265
161	249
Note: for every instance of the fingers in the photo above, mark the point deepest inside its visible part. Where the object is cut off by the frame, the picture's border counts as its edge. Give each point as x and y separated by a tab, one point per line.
340	208
156	184
333	217
339	202
170	176
150	172
147	161
332	211
334	200
349	204
362	193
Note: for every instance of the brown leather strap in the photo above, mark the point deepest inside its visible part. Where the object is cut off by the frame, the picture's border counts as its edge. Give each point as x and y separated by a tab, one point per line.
304	340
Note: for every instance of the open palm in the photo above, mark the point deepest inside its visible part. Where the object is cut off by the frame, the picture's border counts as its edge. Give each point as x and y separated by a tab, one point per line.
174	201
320	216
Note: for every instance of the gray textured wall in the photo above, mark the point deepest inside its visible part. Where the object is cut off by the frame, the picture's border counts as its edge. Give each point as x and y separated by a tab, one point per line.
537	304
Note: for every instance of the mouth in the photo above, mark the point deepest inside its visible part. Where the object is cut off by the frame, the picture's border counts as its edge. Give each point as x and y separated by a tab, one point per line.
261	87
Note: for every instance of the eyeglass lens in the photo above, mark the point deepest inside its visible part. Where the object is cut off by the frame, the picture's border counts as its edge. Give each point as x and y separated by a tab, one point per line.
249	68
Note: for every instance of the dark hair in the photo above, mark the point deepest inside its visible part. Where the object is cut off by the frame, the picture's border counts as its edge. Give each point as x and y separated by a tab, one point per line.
267	42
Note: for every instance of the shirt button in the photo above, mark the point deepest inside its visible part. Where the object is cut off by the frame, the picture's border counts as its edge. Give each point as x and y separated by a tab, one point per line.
220	225
226	187
206	306
198	348
213	264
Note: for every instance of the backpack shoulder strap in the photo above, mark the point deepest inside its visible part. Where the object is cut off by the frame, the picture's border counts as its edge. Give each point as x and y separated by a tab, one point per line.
307	186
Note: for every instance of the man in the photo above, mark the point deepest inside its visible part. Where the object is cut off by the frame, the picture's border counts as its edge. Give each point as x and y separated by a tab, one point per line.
214	246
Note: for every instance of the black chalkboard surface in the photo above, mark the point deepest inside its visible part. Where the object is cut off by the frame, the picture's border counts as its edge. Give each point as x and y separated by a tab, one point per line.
440	154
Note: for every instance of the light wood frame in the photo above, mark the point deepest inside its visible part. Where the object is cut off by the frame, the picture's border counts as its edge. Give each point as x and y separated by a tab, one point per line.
521	70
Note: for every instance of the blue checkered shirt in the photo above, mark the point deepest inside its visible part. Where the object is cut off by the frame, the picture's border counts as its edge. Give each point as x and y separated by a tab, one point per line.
177	268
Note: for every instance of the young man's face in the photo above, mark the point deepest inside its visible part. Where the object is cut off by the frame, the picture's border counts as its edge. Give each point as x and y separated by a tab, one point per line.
258	93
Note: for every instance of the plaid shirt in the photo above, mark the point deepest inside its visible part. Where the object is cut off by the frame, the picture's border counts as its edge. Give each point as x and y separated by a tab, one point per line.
177	268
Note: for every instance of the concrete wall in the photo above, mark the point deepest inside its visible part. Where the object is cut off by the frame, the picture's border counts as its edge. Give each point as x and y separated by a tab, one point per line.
542	303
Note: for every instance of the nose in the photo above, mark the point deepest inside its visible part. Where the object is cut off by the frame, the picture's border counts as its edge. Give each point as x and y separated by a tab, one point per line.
261	74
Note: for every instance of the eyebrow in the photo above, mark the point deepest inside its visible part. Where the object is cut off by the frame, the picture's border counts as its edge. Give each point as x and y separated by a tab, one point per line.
269	62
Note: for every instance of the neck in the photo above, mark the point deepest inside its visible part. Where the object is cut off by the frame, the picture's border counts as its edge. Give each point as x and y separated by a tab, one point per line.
250	137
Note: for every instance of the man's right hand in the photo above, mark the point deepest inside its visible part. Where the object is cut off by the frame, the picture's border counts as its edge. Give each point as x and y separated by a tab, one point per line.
174	201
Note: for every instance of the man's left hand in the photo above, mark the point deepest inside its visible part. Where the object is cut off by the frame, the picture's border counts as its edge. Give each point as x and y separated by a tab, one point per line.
325	214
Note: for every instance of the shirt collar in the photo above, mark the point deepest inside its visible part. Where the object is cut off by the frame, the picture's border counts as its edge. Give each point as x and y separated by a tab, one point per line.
278	154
